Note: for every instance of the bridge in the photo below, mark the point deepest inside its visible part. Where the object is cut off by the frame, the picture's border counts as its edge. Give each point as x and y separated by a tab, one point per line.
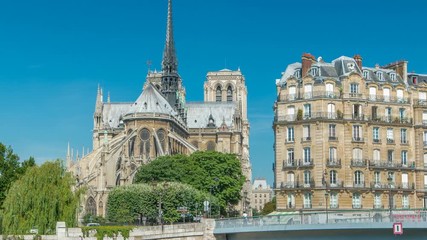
325	225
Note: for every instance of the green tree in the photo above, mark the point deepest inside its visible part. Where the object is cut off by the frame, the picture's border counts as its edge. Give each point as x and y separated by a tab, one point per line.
40	198
10	169
127	203
211	172
269	207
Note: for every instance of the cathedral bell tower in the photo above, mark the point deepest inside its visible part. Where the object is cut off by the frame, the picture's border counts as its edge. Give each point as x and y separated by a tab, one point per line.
171	86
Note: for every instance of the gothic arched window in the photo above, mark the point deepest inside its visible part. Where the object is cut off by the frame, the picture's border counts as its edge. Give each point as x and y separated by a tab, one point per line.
131	147
218	94
91	206
118	180
144	147
229	94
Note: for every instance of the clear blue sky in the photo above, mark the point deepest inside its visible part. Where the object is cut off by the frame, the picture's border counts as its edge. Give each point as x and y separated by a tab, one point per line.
53	54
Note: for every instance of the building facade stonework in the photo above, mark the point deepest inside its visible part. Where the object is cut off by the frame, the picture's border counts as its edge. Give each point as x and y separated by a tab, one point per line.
160	122
349	136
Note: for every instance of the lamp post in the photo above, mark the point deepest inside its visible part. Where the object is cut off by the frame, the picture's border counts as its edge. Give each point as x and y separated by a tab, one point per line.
390	197
326	200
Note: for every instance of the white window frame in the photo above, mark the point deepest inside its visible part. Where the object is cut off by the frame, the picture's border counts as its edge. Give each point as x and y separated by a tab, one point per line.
356	200
290	137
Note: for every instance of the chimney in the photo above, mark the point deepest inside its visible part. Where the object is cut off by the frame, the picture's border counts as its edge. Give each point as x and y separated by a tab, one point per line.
358	60
307	61
401	68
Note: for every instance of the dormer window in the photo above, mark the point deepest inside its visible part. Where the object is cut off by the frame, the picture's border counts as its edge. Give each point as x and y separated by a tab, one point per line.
414	79
393	76
314	71
380	75
366	74
297	73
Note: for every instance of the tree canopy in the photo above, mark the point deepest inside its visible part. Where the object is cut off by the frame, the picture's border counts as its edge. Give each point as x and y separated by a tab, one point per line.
211	172
269	207
127	203
10	169
40	198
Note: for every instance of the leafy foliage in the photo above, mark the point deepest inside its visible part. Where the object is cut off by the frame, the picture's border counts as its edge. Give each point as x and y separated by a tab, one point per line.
10	169
40	198
109	231
127	203
211	172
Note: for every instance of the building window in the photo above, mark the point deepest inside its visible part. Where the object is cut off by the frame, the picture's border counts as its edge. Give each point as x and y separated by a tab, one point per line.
391	179
414	79
308	91
377	200
357	111
390	137
306	132
372	93
404	157
405	201
144	147
358	179
291	157
218	94
405	183
291	113
333	200
229	94
91	206
131	146
357	155
399	95
314	71
388	114
307	156
377	178
331	111
329	90
307	111
390	156
374	113
307	200
386	94
380	75
291	179
354	89
393	77
297	73
376	134
332	132
332	154
366	74
357	201
291	136
291	200
402	114
357	133
403	136
333	178
292	93
307	178
377	156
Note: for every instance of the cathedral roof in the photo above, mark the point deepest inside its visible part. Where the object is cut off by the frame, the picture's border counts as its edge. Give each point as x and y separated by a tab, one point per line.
111	113
151	101
198	114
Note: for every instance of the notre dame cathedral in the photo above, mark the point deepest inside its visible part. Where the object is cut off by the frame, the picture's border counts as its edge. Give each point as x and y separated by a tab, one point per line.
160	122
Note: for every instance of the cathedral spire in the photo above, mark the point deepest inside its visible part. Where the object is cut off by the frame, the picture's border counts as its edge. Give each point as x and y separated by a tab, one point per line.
169	62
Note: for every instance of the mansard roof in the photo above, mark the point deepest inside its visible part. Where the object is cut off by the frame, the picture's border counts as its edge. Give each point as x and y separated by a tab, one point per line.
198	113
151	101
337	69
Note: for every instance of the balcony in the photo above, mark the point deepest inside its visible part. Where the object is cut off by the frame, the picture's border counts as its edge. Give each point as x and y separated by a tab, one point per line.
311	95
288	185
335	185
289	140
293	164
358	163
420	102
376	140
307	205
390	141
334	206
333	163
297	185
333	138
375	164
358	140
305	139
360	184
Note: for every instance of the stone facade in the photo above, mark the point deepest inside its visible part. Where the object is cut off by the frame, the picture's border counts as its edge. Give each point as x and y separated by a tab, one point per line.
160	122
350	137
